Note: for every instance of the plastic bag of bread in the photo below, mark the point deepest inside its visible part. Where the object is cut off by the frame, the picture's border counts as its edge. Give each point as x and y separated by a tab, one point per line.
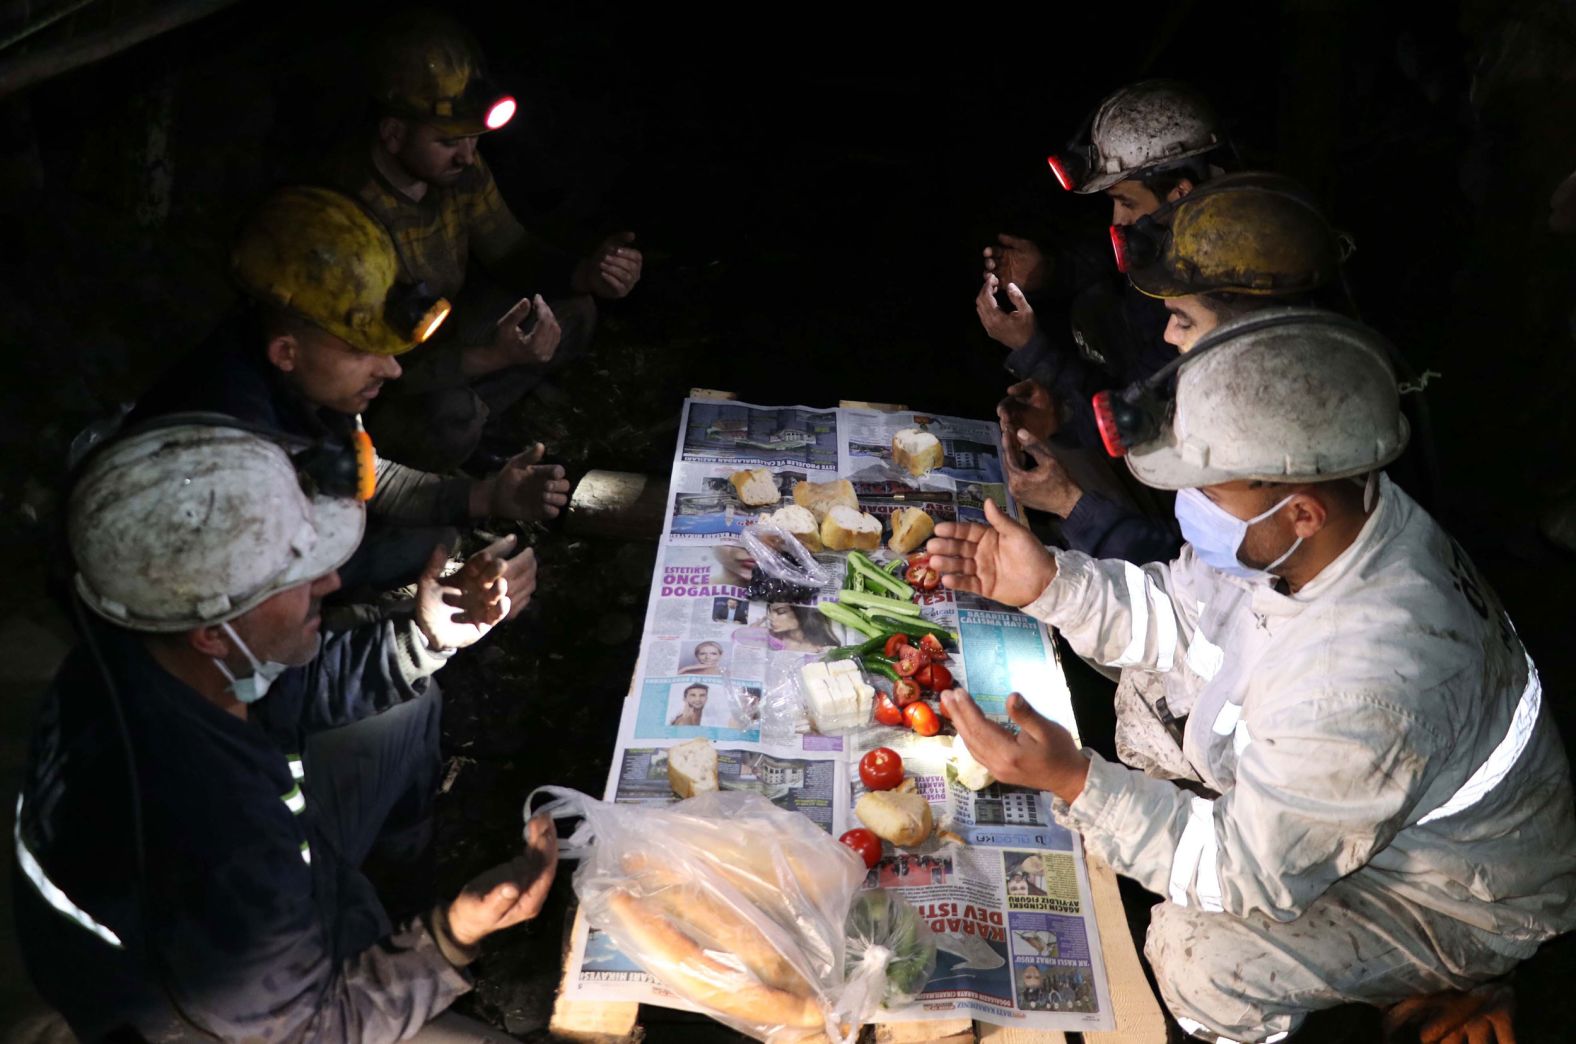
736	905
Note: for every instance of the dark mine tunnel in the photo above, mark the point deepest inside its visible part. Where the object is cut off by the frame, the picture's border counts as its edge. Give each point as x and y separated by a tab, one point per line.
810	188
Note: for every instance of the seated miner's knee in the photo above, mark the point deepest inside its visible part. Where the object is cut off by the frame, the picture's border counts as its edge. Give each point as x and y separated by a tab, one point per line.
576	322
1217	978
433	431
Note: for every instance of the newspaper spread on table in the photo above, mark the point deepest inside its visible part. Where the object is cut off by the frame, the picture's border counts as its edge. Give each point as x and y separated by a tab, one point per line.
1011	906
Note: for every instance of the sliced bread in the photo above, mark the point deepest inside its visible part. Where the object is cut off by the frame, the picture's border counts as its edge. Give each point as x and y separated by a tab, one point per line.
821	497
916	452
692	768
755	487
846	527
798	521
910	528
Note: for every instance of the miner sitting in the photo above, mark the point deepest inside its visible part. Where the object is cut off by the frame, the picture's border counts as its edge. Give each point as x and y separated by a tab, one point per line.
315	345
1146	145
181	870
529	308
1374	802
1237	244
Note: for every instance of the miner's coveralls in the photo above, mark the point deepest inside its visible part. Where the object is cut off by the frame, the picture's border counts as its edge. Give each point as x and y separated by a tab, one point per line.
253	915
1394	811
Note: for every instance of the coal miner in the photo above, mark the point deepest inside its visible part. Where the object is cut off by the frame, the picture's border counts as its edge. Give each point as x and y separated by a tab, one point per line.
529	307
1145	145
1237	244
186	867
318	340
1370	802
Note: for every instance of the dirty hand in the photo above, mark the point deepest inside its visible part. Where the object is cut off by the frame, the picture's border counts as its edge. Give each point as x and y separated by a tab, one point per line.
1002	561
613	268
1042	754
1029	404
1011	329
510	892
1482	1016
522	489
1016	260
456	611
1047	485
518	346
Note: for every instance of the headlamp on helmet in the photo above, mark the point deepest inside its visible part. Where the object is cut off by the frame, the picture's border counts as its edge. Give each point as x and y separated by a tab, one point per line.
1138	245
415	311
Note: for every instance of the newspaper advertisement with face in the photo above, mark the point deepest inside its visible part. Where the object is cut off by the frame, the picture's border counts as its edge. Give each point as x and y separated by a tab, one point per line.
1003	888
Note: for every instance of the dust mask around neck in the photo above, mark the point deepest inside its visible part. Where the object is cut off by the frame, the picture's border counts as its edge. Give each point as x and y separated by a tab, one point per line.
264	672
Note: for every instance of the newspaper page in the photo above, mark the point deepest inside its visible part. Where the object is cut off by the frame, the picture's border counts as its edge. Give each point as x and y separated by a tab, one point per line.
1002	886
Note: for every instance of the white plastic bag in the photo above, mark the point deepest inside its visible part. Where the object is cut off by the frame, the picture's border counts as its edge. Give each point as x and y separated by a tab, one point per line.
884	929
736	905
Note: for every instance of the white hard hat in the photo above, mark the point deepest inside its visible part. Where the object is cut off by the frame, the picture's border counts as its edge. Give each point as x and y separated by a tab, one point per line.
190	525
1144	127
1283	395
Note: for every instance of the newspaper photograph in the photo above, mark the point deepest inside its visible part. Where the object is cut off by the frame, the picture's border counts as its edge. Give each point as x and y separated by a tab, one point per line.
1002	886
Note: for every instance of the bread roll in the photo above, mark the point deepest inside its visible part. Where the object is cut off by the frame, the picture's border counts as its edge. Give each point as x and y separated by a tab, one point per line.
844	527
799	521
903	819
692	768
717	926
756	487
677	960
916	451
821	497
910	528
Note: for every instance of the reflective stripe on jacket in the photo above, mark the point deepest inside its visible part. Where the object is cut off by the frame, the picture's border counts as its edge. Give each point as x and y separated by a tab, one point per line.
1384	721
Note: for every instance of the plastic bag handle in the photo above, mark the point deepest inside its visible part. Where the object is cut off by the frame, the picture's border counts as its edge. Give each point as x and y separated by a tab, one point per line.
567	803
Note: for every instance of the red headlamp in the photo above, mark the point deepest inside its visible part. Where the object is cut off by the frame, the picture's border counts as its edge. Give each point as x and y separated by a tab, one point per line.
1059	168
1119	247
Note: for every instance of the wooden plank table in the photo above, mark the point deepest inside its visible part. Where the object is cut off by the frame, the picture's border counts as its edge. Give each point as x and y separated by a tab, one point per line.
1133	1003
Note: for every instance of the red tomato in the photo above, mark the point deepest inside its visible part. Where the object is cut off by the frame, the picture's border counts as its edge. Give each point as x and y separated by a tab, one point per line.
934	676
893	644
920	575
922	719
930	645
881	769
909	660
887	712
906	691
866	846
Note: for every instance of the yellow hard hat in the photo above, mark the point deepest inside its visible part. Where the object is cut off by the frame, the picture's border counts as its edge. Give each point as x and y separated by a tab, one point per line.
426	67
1251	233
319	255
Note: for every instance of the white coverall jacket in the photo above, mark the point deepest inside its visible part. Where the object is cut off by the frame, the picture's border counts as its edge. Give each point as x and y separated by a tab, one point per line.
1395	808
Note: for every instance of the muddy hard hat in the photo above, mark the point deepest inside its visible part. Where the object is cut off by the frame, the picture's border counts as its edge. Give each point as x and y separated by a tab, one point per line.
1146	127
319	255
1250	233
1285	395
427	67
191	525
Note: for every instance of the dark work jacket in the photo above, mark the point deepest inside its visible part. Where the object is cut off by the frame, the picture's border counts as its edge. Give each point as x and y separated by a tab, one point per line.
265	933
1117	339
229	374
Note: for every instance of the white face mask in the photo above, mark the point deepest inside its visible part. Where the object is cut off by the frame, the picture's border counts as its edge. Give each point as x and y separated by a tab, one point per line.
253	687
1216	534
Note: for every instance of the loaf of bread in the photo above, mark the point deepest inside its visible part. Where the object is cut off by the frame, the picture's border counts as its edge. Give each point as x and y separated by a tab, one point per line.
710	921
903	819
755	487
916	452
846	527
682	964
692	768
821	497
799	521
910	528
